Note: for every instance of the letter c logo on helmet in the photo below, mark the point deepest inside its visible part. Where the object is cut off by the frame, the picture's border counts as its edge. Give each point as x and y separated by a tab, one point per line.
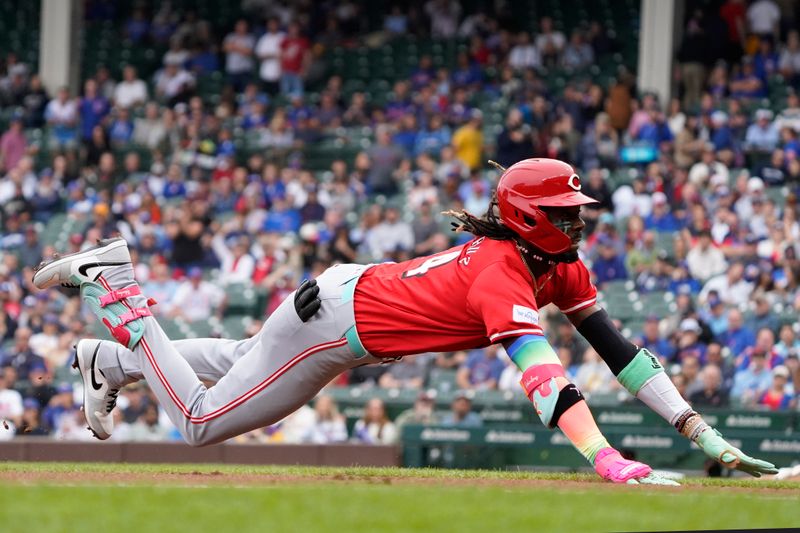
530	184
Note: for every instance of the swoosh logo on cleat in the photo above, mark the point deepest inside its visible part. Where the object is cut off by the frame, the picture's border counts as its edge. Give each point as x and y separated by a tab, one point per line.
95	384
84	269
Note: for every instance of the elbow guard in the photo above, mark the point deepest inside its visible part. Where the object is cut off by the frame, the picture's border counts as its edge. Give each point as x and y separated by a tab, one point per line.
539	382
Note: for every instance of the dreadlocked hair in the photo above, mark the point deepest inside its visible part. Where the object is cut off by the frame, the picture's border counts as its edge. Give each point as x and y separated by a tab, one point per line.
488	225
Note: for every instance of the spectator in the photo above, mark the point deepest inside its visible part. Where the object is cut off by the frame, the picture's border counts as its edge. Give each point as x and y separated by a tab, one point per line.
295	60
197	299
93	109
747	85
780	396
31	425
61	115
384	159
329	426
732	287
712	394
578	53
593	375
422	413
549	42
131	91
525	54
738	337
391	235
11	408
689	344
788	342
147	428
762	136
763	19
174	84
652	340
468	140
763	316
482	369
238	47
751	383
237	264
705	261
20	355
693	58
609	265
461	414
375	427
789	62
13	145
444	16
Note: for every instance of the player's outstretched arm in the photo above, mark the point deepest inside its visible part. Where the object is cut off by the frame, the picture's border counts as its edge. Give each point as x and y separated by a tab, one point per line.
640	372
560	404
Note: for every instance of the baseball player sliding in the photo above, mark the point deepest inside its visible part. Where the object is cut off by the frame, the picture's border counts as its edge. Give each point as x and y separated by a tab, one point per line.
489	290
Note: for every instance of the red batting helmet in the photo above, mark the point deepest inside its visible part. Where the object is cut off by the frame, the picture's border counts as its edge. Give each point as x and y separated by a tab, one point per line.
533	183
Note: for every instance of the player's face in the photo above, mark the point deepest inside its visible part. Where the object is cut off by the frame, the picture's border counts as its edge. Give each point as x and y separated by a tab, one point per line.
568	220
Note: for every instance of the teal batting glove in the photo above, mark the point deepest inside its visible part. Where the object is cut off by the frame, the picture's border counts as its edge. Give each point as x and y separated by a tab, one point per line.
712	443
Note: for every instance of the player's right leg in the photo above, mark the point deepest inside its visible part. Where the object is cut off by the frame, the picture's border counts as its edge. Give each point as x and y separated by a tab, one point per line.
276	376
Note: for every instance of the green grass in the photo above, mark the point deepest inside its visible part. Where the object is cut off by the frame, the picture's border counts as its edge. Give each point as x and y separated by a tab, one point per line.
363	499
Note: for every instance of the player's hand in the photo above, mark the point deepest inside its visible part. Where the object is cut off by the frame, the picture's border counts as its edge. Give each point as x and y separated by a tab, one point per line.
712	443
306	301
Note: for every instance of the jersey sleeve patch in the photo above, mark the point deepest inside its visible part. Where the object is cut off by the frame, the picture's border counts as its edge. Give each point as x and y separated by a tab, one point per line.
522	314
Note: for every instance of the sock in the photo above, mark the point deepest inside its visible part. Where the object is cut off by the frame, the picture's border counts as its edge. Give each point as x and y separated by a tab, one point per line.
660	395
578	424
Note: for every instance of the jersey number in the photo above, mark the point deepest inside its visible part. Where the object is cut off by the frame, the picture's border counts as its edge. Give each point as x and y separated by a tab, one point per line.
433	262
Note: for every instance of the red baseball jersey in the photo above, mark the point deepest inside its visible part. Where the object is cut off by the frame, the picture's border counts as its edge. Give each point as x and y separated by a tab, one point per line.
469	296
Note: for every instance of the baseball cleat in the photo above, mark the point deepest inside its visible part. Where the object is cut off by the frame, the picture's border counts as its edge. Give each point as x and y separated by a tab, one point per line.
99	398
77	268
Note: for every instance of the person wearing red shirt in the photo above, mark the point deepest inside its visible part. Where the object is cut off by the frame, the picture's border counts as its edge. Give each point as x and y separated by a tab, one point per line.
486	291
295	56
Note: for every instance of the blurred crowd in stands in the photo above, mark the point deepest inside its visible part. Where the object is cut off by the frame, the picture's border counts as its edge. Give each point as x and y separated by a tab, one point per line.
697	196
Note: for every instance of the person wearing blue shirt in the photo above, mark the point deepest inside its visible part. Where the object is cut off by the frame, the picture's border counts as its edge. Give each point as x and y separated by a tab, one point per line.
121	131
282	218
763	135
652	340
660	218
407	135
737	337
609	266
482	369
750	383
461	414
433	138
656	131
92	109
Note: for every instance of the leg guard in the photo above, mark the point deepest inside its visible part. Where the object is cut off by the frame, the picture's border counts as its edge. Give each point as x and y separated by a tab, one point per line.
539	382
639	371
124	323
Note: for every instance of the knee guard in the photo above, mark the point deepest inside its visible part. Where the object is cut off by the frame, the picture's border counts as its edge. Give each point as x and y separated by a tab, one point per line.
639	371
125	324
539	383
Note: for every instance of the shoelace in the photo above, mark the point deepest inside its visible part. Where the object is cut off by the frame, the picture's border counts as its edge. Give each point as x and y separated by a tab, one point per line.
113	401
